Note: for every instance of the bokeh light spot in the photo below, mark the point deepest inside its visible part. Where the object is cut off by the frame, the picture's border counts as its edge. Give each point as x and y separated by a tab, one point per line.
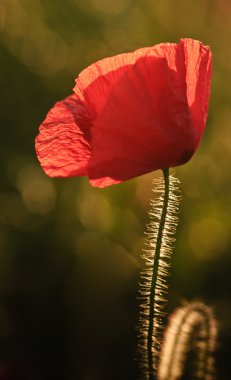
38	192
208	238
104	7
94	211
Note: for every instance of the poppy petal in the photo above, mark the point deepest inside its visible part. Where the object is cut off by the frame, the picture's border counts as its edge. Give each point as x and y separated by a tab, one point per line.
148	107
96	96
63	144
198	61
142	118
131	114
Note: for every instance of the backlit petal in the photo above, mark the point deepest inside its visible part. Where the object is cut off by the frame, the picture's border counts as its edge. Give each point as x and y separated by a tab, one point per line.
143	114
63	144
131	114
198	61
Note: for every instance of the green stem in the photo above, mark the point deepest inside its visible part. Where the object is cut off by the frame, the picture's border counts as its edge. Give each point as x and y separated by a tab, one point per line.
155	273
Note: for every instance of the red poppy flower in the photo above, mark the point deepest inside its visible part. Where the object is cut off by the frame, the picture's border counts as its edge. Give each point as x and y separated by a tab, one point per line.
129	115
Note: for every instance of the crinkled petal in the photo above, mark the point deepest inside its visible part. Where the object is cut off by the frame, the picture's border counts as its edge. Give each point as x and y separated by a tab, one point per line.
148	107
142	117
131	114
63	144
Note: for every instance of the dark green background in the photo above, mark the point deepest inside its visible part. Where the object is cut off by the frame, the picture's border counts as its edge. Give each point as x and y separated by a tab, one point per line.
69	253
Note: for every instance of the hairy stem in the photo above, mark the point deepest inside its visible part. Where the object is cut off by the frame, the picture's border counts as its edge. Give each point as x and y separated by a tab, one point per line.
159	242
155	274
191	328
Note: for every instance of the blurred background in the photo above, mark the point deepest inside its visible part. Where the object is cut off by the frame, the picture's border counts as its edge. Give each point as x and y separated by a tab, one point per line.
69	253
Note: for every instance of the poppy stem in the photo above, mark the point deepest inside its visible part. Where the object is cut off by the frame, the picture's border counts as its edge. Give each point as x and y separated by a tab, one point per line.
159	242
152	312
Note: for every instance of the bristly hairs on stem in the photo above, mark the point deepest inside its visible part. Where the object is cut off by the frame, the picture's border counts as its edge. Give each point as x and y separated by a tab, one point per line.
191	328
154	278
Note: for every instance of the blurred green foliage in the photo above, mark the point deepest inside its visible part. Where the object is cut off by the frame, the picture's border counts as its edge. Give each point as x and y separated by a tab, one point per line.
69	253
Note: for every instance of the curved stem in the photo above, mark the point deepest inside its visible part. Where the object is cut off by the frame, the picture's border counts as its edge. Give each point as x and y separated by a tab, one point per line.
155	274
192	328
